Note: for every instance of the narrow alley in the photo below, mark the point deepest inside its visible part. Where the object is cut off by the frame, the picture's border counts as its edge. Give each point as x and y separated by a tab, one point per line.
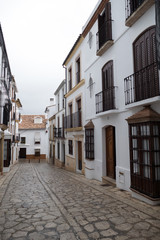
39	201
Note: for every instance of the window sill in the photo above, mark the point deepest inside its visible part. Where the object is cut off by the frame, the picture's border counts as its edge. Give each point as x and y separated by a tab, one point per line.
75	88
104	48
89	159
139	12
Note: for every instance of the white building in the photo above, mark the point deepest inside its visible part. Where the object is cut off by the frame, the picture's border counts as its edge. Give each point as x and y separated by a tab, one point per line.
122	105
50	113
9	112
75	104
33	137
59	135
115	58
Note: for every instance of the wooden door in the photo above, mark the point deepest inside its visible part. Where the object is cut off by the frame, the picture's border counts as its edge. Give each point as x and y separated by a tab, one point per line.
79	155
110	152
7	153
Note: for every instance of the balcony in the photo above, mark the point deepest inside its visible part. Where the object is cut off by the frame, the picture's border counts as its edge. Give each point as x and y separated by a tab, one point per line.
104	37
135	9
142	85
59	132
74	120
105	100
16	138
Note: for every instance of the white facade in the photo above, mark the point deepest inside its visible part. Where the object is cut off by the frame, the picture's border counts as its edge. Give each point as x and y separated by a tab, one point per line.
121	53
30	144
33	137
59	136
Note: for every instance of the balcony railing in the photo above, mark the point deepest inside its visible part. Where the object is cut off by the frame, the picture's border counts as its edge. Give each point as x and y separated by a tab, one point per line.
74	120
132	6
16	138
59	132
142	85
104	34
105	100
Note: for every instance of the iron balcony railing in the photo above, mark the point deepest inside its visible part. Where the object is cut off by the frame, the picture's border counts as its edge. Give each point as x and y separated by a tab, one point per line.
142	85
59	132
105	100
16	138
104	34
132	6
74	120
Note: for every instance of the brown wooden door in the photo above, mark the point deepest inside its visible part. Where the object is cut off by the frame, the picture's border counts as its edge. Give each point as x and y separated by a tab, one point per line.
79	155
110	152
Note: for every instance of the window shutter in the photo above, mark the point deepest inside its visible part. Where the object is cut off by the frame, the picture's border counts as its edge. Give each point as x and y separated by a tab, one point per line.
108	11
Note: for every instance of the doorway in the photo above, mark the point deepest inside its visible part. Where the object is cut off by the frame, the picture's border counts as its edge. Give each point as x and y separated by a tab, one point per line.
79	155
22	153
110	152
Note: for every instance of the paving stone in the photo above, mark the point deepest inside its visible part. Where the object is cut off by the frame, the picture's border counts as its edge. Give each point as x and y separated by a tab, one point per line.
142	225
63	227
102	225
50	225
124	227
108	233
36	236
67	236
20	234
89	228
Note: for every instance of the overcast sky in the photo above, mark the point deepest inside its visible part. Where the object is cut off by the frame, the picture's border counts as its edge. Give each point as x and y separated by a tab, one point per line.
38	35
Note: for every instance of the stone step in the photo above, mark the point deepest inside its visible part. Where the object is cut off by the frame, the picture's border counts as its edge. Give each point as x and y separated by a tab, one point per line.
108	180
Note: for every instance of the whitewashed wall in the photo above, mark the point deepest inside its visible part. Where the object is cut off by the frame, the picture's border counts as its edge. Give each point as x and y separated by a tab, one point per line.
121	53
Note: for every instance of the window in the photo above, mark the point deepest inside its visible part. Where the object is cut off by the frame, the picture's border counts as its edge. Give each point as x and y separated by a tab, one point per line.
78	115
105	100
62	97
135	9
90	86
23	140
58	103
89	143
104	27
78	70
145	156
37	138
37	152
70	147
70	79
37	120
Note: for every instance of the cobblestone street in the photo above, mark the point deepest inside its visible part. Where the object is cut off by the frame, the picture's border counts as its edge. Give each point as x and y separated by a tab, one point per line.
39	201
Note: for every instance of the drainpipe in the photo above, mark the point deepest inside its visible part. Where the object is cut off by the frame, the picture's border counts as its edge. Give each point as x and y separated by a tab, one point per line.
157	11
65	85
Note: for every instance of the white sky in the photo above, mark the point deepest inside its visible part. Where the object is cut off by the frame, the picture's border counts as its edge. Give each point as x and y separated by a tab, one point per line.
38	35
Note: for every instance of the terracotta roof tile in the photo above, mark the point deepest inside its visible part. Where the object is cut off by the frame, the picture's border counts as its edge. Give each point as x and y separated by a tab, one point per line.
27	122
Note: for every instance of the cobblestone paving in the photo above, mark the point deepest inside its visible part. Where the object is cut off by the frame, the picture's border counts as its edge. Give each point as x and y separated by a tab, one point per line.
39	201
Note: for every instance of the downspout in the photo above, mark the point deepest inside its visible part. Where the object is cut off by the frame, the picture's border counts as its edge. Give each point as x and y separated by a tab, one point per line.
65	86
157	13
